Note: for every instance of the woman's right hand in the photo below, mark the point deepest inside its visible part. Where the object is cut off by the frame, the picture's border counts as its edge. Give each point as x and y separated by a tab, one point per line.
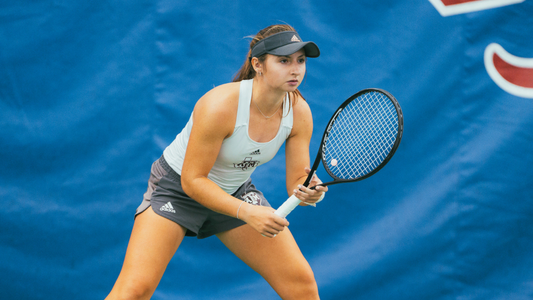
262	219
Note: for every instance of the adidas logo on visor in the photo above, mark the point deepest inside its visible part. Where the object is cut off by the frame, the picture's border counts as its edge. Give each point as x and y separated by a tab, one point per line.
295	39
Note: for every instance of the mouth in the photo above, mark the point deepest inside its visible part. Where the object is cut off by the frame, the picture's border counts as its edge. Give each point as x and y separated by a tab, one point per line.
293	82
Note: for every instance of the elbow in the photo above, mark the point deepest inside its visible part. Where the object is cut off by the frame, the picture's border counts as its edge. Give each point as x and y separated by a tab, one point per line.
187	184
192	185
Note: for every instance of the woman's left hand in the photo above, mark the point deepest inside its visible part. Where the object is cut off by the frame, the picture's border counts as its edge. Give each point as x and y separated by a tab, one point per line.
308	195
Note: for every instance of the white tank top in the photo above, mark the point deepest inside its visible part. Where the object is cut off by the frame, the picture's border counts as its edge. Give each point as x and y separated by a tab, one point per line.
239	155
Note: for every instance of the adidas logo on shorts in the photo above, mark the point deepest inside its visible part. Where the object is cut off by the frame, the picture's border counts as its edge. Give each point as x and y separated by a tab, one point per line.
168	207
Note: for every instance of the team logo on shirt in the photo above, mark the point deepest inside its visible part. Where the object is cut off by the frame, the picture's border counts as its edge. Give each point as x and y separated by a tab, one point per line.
252	198
246	163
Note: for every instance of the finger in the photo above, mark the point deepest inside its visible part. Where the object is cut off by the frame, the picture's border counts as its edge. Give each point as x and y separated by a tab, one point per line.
268	235
280	223
315	191
315	184
277	219
321	189
273	227
305	197
307	193
301	195
271	233
307	190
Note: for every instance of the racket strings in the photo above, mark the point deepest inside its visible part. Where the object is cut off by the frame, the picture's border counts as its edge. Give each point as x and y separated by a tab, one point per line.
362	136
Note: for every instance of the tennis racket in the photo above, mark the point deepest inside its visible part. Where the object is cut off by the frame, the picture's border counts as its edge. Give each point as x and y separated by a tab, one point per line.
359	140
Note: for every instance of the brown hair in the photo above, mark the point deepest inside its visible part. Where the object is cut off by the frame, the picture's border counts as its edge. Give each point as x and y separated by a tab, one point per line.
247	71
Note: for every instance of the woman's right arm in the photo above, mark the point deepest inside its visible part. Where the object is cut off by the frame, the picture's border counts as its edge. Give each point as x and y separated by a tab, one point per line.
211	126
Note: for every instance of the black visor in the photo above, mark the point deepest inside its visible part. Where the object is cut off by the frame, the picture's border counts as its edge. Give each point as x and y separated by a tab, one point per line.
283	44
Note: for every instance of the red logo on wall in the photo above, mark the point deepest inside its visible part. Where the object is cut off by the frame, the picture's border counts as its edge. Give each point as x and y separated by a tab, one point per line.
455	7
511	73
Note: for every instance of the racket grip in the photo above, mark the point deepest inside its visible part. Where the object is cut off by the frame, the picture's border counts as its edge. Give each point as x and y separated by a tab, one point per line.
288	206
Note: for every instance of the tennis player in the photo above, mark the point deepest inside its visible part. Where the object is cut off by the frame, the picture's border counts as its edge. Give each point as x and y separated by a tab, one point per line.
201	184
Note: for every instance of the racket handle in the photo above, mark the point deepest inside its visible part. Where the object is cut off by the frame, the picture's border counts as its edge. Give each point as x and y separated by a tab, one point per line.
288	206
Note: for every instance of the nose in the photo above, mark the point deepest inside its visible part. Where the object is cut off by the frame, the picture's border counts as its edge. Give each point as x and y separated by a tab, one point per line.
296	68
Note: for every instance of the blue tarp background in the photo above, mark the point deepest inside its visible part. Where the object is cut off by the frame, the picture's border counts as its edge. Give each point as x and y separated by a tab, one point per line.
92	91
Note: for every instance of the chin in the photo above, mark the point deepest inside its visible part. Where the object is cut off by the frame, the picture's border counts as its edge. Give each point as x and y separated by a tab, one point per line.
292	88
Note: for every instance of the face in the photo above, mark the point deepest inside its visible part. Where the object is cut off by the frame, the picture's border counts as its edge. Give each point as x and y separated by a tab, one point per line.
284	72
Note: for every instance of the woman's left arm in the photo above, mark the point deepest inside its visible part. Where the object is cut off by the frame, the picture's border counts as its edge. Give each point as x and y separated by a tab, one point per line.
297	156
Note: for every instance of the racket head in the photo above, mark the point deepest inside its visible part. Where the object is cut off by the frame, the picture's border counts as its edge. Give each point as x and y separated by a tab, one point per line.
362	136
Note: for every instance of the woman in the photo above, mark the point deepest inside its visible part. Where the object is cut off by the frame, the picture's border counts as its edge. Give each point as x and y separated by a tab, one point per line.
233	129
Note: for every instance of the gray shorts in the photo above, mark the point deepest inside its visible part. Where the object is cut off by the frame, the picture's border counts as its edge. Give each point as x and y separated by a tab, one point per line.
168	200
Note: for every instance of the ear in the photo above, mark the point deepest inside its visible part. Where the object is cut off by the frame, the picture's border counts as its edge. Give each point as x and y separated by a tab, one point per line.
257	65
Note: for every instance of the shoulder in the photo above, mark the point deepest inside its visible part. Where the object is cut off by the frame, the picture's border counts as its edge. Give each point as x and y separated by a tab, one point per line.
221	100
218	106
220	96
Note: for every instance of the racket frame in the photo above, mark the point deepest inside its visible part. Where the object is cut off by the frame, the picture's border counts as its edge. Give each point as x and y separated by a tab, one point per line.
320	157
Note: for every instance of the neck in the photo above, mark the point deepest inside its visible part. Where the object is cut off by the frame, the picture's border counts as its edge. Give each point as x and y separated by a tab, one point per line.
268	100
